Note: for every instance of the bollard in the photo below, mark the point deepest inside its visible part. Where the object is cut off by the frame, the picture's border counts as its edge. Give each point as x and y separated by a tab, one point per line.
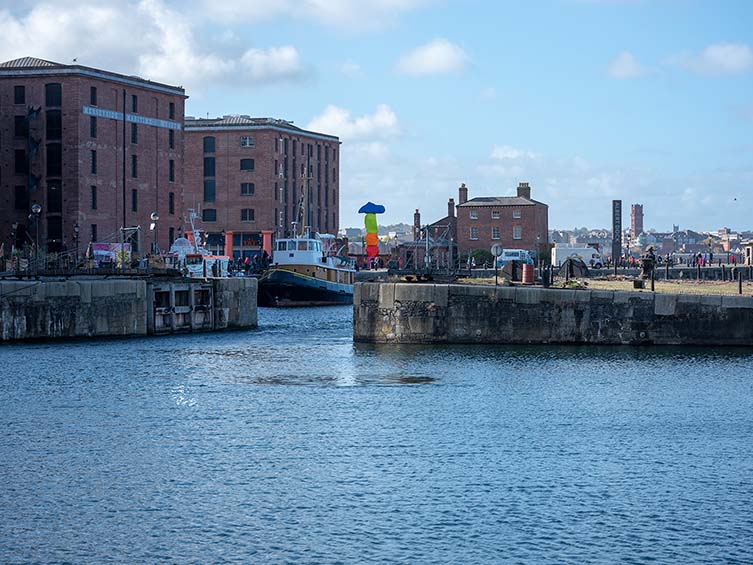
740	282
666	275
652	281
698	275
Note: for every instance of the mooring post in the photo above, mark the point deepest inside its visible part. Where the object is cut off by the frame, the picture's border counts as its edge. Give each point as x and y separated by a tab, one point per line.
652	281
740	282
666	275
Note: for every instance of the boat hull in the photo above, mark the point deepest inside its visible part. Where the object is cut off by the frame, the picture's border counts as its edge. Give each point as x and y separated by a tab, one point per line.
279	287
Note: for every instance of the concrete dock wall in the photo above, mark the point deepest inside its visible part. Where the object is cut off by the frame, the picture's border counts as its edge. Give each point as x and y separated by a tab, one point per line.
442	313
73	308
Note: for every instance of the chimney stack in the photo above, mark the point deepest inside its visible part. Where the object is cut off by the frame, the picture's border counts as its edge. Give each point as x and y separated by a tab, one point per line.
462	194
451	207
416	224
524	190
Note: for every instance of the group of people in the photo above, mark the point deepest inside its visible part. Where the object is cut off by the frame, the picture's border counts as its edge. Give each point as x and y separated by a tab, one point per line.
251	265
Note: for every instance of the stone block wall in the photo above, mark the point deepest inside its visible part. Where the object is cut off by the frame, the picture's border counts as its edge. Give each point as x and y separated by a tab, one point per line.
441	313
65	309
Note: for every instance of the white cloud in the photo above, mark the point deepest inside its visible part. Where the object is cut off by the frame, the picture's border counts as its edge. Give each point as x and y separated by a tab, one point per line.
381	124
508	152
273	64
436	57
148	38
718	59
626	66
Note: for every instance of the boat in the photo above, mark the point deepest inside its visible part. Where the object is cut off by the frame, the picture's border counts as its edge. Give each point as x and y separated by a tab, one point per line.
307	271
188	255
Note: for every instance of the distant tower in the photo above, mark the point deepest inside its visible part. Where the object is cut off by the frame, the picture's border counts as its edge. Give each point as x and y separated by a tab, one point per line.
636	220
416	225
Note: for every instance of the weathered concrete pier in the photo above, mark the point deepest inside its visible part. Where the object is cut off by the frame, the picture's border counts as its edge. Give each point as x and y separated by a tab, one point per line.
451	313
95	307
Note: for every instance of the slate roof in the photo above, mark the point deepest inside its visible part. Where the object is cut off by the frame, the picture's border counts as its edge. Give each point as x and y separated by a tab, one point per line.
499	201
239	121
29	63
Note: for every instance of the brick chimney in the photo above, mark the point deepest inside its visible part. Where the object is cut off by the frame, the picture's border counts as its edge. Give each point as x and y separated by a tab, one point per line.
451	207
416	224
462	194
524	190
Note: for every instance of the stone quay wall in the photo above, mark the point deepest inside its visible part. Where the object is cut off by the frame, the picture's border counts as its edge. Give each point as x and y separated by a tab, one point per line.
451	313
74	308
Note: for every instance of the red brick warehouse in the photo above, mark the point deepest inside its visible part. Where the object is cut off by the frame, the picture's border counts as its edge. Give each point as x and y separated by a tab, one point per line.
249	175
95	149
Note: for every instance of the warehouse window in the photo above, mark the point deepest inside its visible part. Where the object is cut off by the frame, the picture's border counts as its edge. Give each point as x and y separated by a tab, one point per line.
247	215
495	233
247	164
53	94
209	144
517	232
473	215
516	214
19	95
247	189
474	233
209	215
93	95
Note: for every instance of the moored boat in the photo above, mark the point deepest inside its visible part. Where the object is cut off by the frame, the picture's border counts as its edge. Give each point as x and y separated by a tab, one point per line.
306	271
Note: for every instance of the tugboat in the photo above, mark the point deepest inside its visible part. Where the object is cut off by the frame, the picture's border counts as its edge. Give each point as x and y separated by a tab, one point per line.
307	271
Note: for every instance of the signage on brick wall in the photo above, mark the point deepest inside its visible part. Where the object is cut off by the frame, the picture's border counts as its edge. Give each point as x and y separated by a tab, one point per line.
133	118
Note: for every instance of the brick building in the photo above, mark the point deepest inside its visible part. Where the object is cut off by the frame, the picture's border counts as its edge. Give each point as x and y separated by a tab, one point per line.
95	149
250	176
515	222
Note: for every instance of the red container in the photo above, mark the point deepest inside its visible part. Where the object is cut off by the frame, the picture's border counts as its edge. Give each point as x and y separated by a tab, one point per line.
527	273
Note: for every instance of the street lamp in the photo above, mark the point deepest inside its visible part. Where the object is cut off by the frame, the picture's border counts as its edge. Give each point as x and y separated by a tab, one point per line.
36	210
153	228
76	230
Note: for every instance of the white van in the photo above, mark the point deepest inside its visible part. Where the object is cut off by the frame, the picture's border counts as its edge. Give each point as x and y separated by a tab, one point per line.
520	255
590	256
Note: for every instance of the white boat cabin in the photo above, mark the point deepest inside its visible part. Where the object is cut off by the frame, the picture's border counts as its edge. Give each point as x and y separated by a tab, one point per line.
298	251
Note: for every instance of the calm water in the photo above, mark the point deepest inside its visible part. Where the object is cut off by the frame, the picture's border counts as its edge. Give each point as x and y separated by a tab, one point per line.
289	443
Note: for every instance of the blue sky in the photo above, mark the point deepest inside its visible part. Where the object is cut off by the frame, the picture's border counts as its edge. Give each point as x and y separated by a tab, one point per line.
646	100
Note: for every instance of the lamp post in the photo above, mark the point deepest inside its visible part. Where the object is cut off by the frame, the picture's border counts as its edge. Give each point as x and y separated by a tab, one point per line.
76	230
36	210
153	228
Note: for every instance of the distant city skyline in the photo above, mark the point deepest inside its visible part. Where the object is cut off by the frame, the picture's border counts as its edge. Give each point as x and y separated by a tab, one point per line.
588	100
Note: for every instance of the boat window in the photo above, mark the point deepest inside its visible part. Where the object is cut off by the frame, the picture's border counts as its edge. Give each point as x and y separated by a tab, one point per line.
282	245
312	247
301	246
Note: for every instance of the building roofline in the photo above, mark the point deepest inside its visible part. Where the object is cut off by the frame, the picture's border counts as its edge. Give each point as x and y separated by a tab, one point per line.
496	202
189	127
60	69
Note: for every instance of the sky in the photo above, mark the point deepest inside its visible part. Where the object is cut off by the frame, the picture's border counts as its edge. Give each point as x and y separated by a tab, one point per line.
648	101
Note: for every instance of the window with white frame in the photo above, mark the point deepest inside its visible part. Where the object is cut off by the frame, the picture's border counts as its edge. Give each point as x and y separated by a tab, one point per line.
517	232
247	141
473	215
495	233
516	214
474	233
495	214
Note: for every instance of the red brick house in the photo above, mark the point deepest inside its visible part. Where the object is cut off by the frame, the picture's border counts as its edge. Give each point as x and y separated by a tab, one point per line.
515	222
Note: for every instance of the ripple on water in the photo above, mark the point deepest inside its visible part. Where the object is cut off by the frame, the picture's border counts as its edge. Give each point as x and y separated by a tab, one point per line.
291	443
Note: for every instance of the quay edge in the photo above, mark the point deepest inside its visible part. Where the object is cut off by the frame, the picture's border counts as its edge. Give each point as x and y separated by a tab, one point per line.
123	307
453	313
